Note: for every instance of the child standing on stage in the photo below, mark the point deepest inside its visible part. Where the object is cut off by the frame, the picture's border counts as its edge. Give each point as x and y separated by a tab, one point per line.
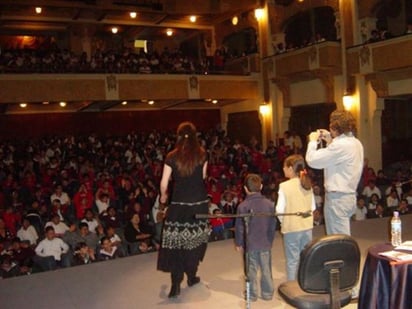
260	237
295	195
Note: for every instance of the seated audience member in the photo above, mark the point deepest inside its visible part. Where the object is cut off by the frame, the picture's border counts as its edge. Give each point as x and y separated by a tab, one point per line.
392	201
91	221
374	200
220	226
371	189
139	241
11	220
83	254
318	217
28	232
51	252
107	251
63	198
379	212
34	217
102	202
59	227
110	218
5	235
8	268
81	234
403	207
361	210
318	196
22	254
116	240
82	200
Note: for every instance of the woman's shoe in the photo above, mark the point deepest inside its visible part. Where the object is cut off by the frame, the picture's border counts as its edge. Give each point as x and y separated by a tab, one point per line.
193	281
174	291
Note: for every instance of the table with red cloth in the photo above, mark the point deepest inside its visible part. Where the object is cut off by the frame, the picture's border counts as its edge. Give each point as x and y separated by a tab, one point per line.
385	284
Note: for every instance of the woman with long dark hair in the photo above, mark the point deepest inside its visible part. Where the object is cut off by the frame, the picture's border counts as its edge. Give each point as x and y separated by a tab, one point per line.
184	238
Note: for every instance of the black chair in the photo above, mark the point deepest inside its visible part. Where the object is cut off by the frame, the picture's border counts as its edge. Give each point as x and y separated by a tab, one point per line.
328	270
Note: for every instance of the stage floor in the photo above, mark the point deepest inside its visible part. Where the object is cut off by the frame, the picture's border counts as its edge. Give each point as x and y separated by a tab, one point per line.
134	282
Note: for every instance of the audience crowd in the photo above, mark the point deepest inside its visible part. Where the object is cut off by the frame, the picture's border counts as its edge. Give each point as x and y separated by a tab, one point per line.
73	200
56	60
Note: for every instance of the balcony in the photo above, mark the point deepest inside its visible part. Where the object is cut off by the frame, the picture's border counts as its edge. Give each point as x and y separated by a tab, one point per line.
306	63
390	56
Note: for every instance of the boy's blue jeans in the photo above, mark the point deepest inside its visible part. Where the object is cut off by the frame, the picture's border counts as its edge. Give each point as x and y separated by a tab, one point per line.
261	260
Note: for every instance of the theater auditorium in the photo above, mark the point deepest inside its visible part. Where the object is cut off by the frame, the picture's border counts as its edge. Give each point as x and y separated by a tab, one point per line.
92	92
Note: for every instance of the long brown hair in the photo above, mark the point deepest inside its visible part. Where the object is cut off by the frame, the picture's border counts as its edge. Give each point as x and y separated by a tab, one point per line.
187	153
298	165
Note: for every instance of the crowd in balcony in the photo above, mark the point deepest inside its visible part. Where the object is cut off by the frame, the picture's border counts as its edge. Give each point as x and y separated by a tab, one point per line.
56	60
67	200
101	61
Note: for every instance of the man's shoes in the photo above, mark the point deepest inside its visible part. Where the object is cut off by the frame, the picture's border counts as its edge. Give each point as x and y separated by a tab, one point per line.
174	291
193	281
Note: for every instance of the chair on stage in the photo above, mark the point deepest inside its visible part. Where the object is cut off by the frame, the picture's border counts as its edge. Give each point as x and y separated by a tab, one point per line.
328	270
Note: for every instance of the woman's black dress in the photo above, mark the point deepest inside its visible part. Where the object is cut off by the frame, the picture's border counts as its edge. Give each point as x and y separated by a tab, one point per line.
184	238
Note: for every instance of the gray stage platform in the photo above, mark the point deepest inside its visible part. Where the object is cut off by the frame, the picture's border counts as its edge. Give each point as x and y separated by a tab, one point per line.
133	282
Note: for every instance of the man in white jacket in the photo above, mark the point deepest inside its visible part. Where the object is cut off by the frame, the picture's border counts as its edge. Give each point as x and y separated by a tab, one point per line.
51	252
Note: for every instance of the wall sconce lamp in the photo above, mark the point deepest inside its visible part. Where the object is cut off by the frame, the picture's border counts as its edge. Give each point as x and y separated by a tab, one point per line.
264	109
348	101
259	13
235	20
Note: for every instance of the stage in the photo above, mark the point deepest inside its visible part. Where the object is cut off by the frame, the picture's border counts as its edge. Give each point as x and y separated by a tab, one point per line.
134	282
